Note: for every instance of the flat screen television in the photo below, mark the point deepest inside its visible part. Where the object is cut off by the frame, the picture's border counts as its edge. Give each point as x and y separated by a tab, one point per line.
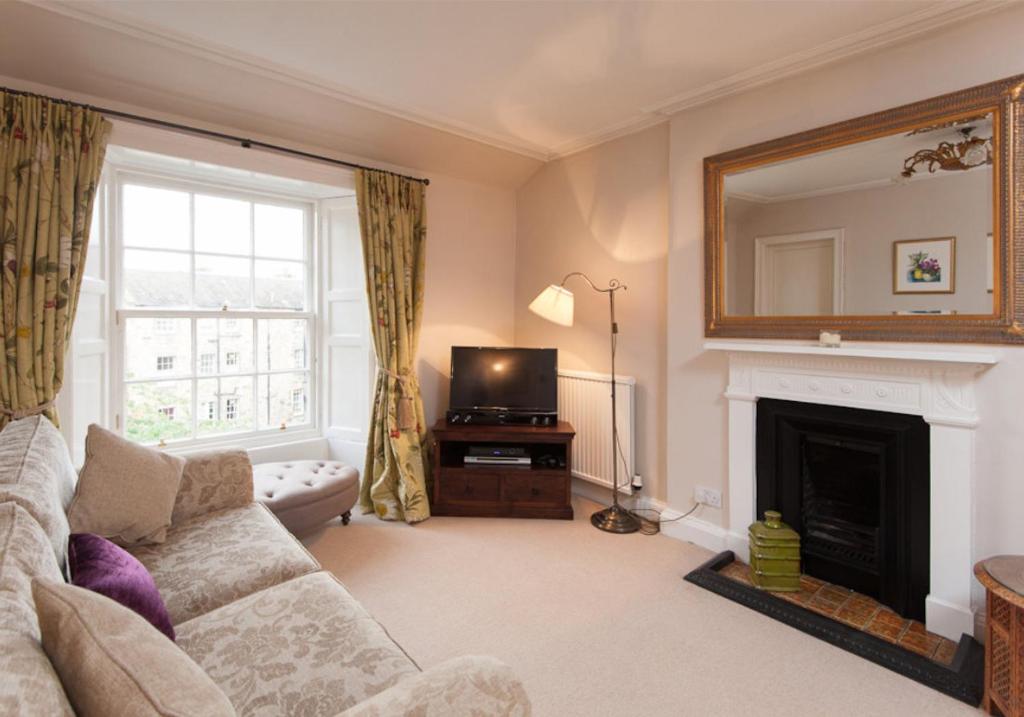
512	380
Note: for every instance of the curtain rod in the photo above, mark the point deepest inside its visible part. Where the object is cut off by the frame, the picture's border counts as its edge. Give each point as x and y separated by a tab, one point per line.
241	141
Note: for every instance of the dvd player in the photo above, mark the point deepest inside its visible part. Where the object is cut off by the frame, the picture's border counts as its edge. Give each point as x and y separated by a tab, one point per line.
497	456
497	461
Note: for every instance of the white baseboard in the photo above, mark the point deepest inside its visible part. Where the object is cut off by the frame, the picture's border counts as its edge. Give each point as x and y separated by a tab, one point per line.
690	529
592	491
949	620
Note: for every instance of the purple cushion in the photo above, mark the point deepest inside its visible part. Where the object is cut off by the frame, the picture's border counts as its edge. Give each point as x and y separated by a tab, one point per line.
100	566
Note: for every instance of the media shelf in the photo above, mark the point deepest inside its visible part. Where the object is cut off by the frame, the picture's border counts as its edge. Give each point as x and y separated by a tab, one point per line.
539	490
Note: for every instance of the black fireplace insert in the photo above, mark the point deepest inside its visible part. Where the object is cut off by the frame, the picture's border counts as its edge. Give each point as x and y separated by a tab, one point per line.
855	484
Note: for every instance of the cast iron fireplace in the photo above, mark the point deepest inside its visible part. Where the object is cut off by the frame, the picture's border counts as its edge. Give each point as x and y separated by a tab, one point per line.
854	484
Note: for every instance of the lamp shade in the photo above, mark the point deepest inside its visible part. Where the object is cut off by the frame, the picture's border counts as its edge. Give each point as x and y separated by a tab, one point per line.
555	304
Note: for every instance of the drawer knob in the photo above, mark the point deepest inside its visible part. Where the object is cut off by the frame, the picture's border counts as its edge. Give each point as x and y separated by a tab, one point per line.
534	491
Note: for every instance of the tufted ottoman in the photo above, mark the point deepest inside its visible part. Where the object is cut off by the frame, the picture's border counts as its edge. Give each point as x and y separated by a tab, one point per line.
306	494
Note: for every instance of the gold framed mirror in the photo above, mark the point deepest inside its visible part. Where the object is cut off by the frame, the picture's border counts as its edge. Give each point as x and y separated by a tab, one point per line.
903	225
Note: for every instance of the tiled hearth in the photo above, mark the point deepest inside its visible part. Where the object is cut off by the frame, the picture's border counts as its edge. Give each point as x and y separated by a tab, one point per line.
860	612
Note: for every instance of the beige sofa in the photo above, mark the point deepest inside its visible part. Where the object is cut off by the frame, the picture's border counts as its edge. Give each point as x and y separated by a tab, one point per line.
276	633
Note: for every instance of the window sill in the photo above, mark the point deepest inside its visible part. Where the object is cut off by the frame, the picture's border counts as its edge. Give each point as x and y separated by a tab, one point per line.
268	439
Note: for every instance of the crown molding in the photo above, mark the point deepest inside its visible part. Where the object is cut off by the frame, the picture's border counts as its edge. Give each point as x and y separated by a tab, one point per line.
871	38
619	129
239	60
877	36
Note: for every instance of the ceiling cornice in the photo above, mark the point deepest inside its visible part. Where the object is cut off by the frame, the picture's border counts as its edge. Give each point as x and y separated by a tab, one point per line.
872	38
243	61
856	43
629	126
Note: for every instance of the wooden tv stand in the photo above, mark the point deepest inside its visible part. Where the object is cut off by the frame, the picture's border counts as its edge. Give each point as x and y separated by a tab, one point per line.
502	491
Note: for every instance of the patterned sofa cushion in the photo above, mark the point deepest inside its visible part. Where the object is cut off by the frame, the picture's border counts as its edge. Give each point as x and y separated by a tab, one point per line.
213	481
470	685
36	473
302	647
29	685
220	557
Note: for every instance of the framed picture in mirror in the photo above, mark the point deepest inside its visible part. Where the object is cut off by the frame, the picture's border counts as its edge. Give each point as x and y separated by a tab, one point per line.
924	266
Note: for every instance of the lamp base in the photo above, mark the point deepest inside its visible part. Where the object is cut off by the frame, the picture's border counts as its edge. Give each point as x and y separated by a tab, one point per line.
615	519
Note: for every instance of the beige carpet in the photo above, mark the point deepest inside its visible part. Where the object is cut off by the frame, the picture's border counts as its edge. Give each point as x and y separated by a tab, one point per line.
599	624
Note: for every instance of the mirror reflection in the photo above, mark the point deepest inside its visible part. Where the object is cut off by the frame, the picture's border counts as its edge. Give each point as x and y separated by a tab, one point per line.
900	224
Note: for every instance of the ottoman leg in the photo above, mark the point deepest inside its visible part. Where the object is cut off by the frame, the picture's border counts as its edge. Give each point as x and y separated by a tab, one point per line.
346	517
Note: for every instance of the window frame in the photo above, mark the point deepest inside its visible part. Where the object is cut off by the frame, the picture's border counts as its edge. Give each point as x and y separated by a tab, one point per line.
255	437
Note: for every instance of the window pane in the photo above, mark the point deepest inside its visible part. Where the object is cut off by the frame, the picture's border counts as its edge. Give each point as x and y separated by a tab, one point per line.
156	278
157	348
284	398
224	345
280	285
223	405
222	225
158	411
222	281
282	344
280	232
155	218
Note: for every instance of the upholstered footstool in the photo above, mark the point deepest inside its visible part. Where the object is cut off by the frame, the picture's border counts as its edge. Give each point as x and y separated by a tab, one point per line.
305	494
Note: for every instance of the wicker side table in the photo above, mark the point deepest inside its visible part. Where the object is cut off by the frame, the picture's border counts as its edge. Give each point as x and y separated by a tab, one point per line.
1003	578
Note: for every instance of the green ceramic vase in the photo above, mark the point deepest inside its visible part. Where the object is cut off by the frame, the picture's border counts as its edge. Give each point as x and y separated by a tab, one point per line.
774	554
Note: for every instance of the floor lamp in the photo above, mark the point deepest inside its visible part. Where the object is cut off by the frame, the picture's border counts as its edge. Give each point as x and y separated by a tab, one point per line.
556	304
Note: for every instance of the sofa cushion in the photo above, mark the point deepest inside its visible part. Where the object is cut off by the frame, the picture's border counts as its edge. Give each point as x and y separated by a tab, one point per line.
470	685
97	564
29	685
111	661
219	557
213	481
302	647
125	491
36	473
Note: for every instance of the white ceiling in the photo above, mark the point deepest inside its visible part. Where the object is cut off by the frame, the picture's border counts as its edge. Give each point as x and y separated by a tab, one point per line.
540	78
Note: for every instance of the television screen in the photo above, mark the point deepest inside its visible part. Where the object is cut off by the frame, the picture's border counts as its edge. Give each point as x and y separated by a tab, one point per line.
504	379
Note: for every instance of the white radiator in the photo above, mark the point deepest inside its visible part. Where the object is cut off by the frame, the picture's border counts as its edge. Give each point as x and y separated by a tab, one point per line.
584	400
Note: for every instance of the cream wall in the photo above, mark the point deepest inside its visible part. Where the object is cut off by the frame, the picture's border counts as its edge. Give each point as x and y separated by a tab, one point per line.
957	204
471	261
604	212
972	53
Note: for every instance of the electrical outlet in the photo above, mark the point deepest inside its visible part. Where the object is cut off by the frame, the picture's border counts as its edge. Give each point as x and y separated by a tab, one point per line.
638	483
707	496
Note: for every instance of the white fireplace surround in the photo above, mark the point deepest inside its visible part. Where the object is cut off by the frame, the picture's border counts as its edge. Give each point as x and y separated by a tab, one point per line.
937	385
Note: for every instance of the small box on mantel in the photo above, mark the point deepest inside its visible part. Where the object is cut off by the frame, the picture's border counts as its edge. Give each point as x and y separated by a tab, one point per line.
774	554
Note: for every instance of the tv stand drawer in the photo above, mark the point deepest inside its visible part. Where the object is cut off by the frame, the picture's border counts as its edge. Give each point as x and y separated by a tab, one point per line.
538	489
470	486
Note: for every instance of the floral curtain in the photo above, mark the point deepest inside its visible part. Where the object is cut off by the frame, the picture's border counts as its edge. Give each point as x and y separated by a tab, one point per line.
392	220
51	155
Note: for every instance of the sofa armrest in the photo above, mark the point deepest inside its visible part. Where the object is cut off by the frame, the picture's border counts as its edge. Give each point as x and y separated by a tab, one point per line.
457	688
213	481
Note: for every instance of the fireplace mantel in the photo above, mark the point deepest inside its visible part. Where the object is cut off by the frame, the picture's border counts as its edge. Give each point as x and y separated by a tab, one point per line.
937	384
860	350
